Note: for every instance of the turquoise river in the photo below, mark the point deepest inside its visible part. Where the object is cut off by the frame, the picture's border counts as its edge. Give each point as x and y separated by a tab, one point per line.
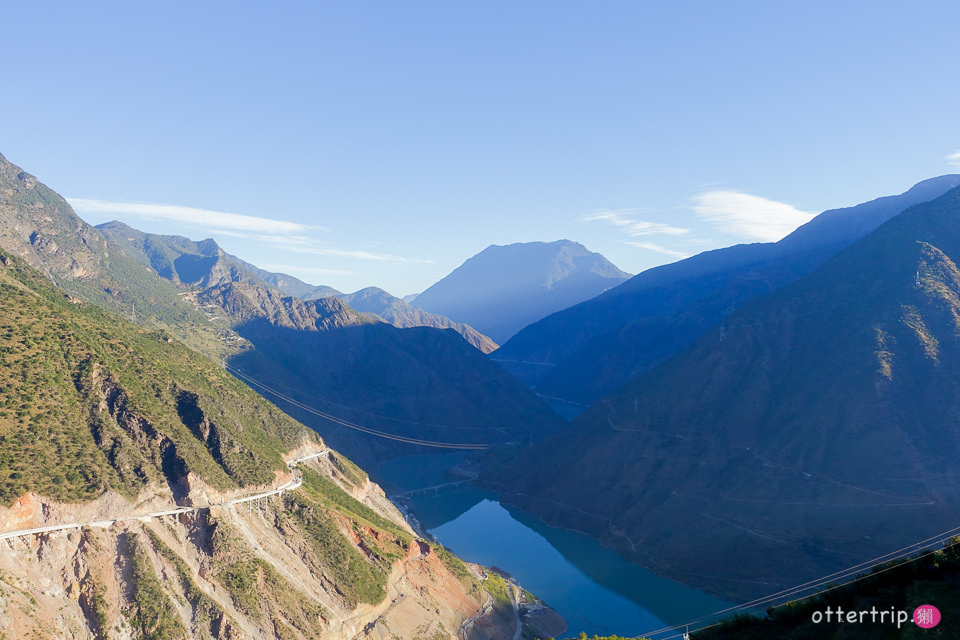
591	586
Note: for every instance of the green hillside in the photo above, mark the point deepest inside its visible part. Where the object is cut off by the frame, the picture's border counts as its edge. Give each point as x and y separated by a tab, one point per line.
39	226
89	402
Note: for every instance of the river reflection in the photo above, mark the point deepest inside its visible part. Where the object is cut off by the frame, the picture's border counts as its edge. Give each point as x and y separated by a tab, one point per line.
591	586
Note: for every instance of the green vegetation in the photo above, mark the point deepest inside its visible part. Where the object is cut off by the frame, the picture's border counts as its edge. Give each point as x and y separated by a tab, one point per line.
255	587
236	568
206	612
325	492
89	402
496	585
155	616
100	609
358	577
354	474
453	564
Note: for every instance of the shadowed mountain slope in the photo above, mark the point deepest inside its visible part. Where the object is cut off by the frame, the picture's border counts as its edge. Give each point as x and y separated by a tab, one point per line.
414	383
409	387
395	311
197	264
105	422
504	288
587	351
815	428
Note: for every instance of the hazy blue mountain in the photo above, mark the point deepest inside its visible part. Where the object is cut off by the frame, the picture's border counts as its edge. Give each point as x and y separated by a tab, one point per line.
581	353
293	286
504	288
812	429
296	287
334	371
395	311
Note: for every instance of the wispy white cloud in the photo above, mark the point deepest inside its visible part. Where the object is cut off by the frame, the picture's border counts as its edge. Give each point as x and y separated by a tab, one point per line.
632	227
954	159
287	236
311	246
291	269
650	246
308	246
189	215
749	216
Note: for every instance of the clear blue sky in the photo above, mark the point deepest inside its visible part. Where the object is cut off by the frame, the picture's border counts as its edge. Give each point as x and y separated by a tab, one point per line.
390	141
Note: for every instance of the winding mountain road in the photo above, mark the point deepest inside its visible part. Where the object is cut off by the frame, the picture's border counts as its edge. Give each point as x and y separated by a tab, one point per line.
292	484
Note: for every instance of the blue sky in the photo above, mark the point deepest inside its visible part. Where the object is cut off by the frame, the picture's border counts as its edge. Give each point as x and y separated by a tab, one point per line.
383	143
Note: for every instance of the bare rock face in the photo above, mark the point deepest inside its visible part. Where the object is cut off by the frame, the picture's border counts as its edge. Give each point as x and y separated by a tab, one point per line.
253	570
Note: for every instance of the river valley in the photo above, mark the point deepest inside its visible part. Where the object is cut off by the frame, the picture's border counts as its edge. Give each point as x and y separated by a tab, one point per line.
591	586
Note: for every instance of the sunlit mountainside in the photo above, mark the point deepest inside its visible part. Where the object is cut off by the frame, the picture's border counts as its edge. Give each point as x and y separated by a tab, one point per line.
144	449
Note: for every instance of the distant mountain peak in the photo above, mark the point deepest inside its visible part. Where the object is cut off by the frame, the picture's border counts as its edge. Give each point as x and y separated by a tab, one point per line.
582	353
506	287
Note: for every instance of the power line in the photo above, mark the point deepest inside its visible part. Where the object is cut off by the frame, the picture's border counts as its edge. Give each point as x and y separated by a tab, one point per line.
353	425
814	584
392	419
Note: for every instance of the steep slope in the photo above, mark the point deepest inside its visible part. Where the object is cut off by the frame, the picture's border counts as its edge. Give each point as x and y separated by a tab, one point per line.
183	261
244	302
294	286
205	265
39	226
813	429
101	420
587	351
151	412
400	314
419	383
281	330
504	288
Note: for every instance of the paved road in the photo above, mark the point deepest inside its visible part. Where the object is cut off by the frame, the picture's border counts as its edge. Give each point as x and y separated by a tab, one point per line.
515	601
292	484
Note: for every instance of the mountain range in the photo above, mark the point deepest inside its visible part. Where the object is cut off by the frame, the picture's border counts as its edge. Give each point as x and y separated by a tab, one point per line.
108	425
788	405
812	429
584	352
203	264
502	289
227	309
392	310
